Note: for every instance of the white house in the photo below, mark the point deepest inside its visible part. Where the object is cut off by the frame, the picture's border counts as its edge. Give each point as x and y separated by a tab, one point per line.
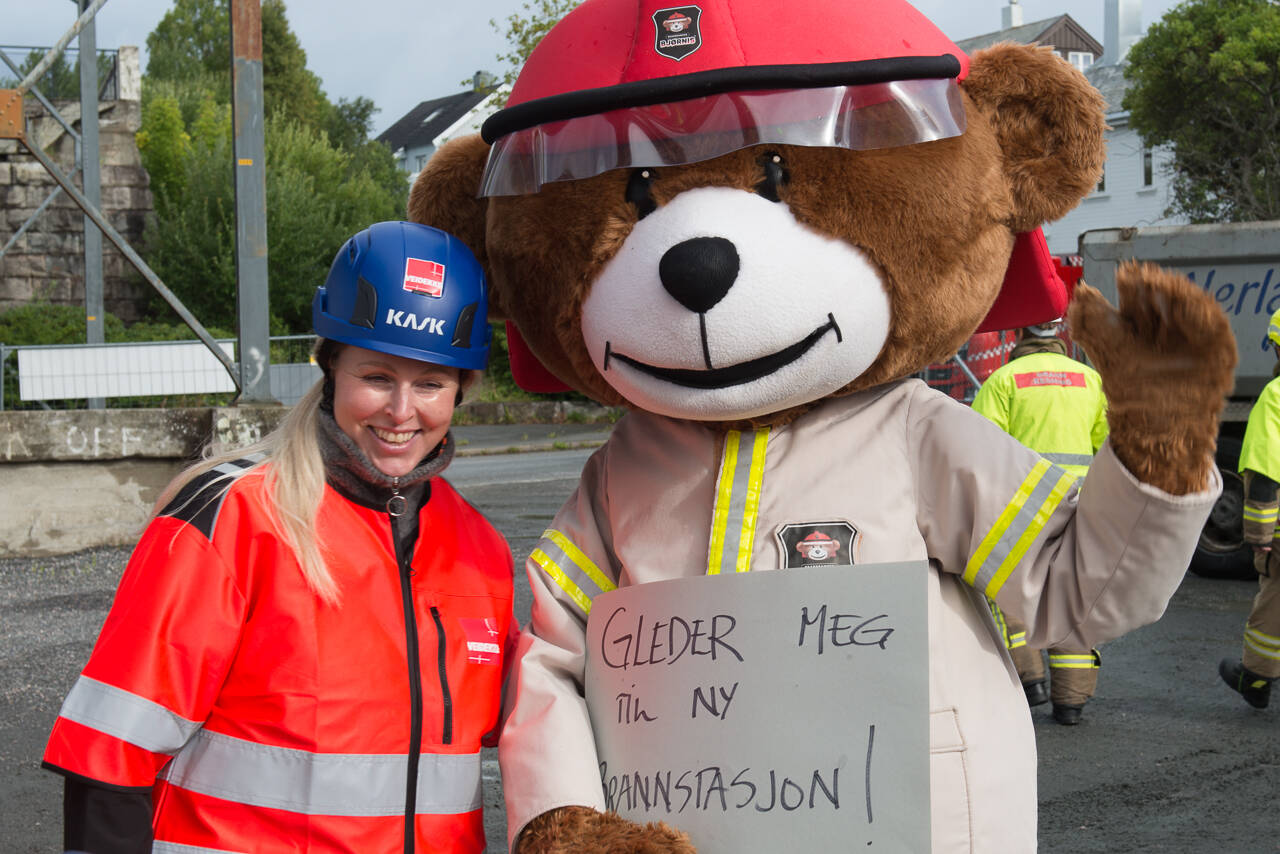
417	134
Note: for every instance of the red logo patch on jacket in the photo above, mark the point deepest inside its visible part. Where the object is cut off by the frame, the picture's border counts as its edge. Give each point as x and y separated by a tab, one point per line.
1070	379
484	641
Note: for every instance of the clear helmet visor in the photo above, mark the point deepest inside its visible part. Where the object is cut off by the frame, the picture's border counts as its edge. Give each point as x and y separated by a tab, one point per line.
877	115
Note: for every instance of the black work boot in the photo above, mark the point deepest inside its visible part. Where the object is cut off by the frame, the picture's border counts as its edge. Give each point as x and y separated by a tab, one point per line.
1254	688
1067	715
1036	693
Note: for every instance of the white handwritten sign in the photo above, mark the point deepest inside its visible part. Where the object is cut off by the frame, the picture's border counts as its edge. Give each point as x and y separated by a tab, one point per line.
758	710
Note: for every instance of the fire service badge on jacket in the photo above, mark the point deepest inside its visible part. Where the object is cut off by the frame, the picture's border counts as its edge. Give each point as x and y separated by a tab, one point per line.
816	544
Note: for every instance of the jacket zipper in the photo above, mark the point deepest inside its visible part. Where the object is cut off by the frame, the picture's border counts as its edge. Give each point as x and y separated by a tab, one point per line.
446	698
405	563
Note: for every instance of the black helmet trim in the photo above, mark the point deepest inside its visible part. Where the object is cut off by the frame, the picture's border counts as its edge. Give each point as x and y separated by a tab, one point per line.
642	93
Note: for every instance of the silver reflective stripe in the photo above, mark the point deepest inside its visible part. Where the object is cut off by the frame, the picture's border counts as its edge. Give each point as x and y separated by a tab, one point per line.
737	502
571	569
159	847
1069	459
126	716
345	784
1019	525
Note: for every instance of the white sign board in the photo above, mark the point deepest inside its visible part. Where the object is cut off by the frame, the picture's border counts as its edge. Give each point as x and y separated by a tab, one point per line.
767	711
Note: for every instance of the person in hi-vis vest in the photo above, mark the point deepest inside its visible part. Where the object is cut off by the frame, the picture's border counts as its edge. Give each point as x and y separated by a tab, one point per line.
1054	405
1259	665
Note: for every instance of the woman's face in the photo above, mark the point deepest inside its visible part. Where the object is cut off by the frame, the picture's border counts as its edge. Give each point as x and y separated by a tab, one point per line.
395	409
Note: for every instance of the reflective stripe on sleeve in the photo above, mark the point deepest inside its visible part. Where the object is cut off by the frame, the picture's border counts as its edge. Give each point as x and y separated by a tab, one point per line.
336	784
733	523
1069	459
570	568
1022	520
124	715
1075	661
1015	640
1263	644
159	847
1264	515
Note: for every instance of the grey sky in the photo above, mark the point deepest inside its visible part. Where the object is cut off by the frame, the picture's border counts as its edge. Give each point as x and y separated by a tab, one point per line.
401	52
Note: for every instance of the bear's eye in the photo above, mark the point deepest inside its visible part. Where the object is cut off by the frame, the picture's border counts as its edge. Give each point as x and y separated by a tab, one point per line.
775	175
638	191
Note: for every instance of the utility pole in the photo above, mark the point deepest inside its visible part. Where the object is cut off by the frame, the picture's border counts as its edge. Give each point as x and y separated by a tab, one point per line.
253	306
91	181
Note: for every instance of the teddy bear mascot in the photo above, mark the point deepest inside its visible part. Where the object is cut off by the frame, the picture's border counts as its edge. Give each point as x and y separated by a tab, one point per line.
751	223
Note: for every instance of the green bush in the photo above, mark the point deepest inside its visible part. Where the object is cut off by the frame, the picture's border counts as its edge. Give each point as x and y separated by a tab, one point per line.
317	196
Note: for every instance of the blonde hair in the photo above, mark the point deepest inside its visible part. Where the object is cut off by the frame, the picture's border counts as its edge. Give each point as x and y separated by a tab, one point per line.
293	486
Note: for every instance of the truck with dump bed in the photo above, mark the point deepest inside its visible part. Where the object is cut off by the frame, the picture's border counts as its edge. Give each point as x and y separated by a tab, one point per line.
1239	264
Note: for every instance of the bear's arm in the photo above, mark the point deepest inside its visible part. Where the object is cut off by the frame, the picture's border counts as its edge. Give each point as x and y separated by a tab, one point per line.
1079	562
547	751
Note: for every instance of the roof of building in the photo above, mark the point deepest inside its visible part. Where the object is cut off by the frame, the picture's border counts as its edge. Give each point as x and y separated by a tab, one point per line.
429	119
1109	79
1027	33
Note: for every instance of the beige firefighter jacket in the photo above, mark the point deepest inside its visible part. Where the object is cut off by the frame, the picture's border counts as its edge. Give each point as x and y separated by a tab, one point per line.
896	473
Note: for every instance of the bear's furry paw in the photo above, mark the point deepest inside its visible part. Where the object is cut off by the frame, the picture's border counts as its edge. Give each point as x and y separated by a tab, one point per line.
585	831
1166	357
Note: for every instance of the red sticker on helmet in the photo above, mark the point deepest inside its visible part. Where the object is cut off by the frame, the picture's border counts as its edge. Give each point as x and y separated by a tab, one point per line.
676	31
423	277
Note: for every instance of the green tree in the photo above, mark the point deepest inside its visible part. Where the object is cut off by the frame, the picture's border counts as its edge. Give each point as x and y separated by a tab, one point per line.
193	42
193	37
524	31
1205	80
325	178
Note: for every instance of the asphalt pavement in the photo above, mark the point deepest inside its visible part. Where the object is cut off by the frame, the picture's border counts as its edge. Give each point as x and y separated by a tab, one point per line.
1166	760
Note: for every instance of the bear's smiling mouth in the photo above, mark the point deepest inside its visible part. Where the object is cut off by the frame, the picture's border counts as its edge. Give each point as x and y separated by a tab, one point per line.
743	372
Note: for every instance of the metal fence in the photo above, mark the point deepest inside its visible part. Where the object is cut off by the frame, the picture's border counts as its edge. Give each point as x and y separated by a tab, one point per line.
143	374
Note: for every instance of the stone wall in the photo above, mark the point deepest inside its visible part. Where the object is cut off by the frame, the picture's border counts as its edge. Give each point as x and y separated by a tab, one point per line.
47	262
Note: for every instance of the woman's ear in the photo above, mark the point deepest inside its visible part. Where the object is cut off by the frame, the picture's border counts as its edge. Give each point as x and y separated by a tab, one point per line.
445	192
1049	121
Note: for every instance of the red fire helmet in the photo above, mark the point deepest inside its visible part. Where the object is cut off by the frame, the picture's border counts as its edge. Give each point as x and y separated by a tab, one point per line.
600	85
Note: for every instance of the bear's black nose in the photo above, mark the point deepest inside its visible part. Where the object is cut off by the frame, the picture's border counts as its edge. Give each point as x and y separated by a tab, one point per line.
699	272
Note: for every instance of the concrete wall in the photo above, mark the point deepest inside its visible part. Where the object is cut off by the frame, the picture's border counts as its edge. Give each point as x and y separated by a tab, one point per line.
47	262
80	478
74	479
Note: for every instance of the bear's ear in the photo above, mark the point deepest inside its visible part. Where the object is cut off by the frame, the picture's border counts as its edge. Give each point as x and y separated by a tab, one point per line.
1049	121
444	194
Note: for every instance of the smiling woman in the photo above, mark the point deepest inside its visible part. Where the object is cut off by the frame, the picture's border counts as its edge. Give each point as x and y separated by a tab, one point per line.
309	643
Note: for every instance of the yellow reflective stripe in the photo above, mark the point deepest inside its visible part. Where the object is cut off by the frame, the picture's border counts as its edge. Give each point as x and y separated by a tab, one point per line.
1073	661
1002	523
583	562
1261	514
752	507
724	492
1263	644
998	616
1033	530
549	566
1016	640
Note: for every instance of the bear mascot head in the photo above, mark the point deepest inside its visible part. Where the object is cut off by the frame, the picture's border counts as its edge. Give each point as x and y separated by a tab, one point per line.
728	212
748	219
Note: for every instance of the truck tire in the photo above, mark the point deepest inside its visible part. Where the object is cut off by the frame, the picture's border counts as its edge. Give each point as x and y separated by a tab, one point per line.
1222	551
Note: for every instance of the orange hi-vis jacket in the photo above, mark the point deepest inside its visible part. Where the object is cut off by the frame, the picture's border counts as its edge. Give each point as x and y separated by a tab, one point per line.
267	720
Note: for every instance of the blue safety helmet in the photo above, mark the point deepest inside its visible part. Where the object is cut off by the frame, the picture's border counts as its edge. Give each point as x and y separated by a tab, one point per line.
407	290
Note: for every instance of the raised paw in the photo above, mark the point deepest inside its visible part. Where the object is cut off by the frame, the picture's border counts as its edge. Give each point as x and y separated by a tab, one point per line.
580	830
1166	355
